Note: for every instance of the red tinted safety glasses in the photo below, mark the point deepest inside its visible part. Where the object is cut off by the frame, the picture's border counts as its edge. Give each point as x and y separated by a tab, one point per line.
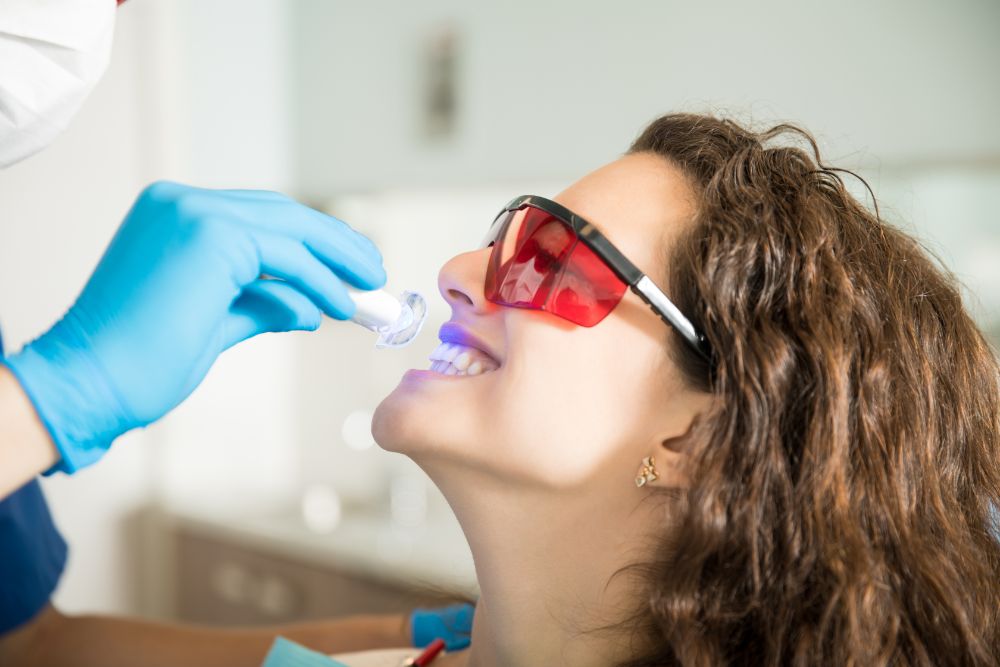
545	257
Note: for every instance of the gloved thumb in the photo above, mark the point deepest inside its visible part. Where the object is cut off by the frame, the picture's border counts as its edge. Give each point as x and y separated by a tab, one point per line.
268	305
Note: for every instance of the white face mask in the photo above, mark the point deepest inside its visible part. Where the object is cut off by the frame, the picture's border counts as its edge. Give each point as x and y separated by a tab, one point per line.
52	53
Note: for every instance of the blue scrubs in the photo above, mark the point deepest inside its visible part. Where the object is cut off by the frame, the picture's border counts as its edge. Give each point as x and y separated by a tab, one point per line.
32	554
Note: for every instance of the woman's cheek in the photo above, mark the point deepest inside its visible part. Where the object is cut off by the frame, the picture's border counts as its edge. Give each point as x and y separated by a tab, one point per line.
556	422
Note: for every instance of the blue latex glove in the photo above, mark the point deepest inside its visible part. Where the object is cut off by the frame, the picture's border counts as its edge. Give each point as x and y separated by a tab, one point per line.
452	624
179	284
286	653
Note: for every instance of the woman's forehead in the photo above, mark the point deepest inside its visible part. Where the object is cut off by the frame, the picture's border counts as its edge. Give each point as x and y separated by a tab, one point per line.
639	201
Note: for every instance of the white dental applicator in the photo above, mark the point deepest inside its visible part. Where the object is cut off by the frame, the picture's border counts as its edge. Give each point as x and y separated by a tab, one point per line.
397	321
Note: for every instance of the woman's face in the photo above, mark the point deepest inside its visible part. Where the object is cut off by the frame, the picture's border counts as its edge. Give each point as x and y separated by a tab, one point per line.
566	404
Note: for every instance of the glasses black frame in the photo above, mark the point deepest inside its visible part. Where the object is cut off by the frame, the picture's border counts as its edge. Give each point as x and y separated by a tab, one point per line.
622	267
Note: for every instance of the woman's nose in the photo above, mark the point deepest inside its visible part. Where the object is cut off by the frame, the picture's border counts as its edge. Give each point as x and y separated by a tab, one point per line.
462	279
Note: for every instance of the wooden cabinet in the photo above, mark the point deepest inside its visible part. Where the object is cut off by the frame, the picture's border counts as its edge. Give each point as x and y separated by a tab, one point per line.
231	584
246	576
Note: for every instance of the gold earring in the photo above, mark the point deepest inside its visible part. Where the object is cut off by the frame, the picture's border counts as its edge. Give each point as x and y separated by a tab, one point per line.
647	472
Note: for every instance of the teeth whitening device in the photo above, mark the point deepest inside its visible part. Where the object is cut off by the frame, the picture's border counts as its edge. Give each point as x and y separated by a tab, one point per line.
397	321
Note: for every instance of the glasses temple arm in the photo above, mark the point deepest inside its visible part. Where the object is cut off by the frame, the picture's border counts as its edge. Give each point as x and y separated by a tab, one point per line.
665	308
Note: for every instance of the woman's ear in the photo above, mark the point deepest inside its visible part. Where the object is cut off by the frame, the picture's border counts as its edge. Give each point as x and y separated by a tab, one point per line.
667	462
667	465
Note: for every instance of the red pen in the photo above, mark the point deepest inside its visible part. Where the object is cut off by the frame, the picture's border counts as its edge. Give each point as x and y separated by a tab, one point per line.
425	658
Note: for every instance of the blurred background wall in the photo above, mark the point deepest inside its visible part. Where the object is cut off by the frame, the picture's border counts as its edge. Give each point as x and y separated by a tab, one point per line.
415	122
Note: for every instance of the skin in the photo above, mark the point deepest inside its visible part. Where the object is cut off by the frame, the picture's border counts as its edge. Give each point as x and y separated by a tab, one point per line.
52	638
26	448
538	458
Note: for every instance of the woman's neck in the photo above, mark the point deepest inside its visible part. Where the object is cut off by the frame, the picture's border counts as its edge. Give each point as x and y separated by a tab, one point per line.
546	562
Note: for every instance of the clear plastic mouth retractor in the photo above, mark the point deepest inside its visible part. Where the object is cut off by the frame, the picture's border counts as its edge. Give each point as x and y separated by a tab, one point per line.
396	321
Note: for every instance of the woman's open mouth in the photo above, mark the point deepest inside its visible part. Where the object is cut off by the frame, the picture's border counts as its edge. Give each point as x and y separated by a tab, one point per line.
455	359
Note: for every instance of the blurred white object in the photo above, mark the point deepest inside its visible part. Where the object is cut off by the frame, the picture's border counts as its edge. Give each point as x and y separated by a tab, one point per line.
357	430
54	53
321	508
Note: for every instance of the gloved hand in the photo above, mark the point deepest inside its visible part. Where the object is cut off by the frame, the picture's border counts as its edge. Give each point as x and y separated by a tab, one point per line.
452	624
180	283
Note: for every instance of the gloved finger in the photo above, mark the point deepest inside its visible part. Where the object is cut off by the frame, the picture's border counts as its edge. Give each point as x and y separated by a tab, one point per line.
269	306
335	242
267	205
275	212
252	193
344	264
256	195
289	260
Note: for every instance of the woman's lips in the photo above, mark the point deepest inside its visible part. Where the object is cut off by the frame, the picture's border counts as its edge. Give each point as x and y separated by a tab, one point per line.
455	333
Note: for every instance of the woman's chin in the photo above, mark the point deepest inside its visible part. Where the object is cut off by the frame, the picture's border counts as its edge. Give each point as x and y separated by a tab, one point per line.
417	425
400	422
386	423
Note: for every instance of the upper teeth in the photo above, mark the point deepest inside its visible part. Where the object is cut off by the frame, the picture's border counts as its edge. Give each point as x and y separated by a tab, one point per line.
454	359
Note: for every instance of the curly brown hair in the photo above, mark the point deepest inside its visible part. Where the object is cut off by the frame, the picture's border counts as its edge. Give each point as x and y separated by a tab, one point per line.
844	481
